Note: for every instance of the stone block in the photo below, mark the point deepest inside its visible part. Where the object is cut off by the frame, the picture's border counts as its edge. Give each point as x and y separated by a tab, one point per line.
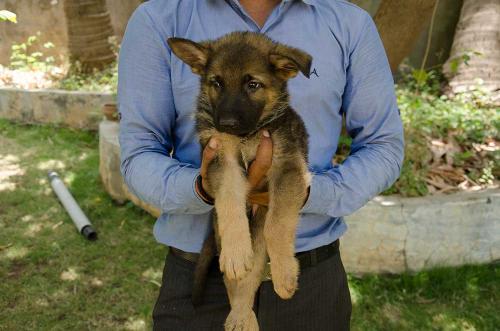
79	110
452	230
375	239
109	167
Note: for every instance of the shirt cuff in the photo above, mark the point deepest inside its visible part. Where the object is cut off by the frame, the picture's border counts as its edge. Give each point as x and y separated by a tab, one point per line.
321	195
204	206
187	192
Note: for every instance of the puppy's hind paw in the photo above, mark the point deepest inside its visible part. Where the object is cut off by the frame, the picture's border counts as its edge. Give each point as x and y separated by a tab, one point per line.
285	277
236	260
238	321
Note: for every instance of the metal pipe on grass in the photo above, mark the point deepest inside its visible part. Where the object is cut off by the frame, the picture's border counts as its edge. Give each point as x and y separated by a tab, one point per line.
78	217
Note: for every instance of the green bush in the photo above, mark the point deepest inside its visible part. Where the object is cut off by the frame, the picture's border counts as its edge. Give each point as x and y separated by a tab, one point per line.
25	57
427	115
104	80
438	116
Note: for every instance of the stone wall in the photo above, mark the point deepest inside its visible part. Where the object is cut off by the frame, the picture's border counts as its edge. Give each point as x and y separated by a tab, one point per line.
79	110
446	20
389	234
393	235
109	167
47	16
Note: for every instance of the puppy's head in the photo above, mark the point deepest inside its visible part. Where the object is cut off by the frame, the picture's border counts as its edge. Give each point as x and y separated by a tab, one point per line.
243	77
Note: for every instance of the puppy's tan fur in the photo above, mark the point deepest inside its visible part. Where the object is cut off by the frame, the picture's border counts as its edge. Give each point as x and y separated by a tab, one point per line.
229	68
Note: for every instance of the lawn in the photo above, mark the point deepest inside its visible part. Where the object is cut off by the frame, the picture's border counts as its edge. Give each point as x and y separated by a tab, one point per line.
52	279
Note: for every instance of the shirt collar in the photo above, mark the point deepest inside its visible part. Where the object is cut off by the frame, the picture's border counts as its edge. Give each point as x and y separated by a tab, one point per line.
309	2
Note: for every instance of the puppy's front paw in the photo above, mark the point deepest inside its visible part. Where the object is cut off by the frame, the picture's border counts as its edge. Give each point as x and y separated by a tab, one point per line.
241	321
285	274
236	258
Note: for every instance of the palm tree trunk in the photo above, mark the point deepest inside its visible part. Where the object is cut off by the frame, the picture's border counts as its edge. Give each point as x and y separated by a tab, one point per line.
400	25
89	28
478	31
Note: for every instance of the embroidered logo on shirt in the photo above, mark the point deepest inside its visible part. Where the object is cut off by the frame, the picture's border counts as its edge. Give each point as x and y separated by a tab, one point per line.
314	72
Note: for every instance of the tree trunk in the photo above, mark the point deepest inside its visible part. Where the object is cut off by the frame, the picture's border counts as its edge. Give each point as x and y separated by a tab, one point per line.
478	31
400	26
89	28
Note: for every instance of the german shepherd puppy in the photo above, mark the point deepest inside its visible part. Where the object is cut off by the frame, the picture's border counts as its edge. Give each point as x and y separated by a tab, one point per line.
243	91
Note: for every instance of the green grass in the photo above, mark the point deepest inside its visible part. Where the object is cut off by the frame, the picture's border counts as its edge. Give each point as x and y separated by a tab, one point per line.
52	279
116	276
465	298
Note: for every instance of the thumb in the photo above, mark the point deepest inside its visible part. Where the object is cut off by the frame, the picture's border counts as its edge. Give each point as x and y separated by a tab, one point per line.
263	160
209	154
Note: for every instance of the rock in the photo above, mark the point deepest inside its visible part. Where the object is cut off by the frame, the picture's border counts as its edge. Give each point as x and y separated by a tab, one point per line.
109	167
109	161
452	230
375	239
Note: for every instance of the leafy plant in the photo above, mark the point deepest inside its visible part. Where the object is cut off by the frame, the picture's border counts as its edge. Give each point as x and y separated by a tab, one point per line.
462	58
421	80
461	121
464	122
6	15
438	116
104	80
26	57
411	182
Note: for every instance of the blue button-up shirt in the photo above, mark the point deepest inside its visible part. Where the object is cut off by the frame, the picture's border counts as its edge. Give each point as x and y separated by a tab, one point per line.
350	77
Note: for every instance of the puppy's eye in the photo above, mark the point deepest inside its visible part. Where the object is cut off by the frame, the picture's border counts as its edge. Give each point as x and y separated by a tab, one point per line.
254	85
215	83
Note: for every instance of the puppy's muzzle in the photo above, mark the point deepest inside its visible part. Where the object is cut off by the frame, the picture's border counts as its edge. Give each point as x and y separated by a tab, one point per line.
228	123
232	125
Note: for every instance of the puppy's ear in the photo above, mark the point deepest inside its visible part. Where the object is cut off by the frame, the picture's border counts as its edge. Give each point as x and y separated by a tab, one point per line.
288	61
193	54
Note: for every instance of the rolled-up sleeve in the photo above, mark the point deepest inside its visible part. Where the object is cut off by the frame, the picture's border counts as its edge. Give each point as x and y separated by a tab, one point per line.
374	123
145	103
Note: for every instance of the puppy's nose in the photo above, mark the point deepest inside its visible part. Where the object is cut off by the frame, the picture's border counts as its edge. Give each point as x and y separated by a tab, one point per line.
228	122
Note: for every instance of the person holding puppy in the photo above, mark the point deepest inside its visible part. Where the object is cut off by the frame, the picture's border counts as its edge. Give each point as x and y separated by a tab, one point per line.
350	77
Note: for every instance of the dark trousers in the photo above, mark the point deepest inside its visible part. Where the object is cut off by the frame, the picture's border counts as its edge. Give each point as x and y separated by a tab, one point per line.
322	301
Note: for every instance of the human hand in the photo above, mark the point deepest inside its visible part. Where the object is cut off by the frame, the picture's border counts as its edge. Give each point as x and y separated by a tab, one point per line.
256	172
208	155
